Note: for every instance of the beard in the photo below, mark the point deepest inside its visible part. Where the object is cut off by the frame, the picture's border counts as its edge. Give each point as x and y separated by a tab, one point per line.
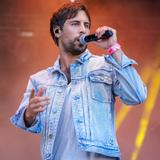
74	47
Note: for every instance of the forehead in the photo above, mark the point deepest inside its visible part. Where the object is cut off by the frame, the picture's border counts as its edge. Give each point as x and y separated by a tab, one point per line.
81	16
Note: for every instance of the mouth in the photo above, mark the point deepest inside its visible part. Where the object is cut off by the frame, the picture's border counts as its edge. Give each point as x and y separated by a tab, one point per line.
80	44
78	41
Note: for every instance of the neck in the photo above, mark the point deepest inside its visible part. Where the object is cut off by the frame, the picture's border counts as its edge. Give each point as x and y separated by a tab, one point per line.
66	59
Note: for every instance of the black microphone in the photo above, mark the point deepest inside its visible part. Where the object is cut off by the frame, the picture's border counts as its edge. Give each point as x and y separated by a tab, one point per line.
92	37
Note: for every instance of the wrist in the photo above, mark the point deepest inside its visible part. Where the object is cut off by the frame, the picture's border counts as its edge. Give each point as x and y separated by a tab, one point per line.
28	118
28	115
111	50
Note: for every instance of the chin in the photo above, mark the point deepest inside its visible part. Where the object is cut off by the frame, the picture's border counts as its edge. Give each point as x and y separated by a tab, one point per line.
78	51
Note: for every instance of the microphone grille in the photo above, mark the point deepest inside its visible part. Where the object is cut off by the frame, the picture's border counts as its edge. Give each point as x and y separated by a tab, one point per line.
82	39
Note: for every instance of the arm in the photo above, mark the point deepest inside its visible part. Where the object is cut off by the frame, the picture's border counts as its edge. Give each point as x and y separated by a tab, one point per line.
27	116
127	82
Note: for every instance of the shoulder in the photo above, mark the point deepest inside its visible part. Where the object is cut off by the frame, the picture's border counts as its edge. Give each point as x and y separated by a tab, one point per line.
42	76
98	62
40	73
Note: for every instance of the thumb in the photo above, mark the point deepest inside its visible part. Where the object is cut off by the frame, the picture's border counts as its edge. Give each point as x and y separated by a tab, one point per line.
32	94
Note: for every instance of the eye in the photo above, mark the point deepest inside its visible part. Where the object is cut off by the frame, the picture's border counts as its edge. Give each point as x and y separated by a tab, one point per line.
87	25
74	24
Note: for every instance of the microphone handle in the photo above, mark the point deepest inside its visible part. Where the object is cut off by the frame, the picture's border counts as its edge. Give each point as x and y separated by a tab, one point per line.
92	37
107	34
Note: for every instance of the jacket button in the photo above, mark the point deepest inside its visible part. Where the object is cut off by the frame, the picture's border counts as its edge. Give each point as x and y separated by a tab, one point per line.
59	91
79	121
102	79
77	97
111	142
54	110
75	82
50	136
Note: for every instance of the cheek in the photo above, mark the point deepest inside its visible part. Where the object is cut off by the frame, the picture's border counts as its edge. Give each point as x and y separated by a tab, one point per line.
69	36
70	32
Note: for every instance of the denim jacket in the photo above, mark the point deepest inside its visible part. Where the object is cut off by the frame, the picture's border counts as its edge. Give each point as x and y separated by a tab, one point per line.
95	82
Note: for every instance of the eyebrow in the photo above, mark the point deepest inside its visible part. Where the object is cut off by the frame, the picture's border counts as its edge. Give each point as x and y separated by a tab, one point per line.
72	21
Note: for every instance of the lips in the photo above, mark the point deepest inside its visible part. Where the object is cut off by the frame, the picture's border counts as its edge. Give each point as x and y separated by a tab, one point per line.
77	39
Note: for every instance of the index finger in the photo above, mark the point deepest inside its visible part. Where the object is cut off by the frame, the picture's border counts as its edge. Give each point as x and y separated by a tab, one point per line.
40	92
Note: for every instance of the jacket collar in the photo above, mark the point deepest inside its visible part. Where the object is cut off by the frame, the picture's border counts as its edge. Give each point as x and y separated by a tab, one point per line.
84	57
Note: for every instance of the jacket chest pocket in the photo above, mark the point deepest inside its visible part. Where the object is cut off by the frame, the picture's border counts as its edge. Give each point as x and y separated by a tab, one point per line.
101	86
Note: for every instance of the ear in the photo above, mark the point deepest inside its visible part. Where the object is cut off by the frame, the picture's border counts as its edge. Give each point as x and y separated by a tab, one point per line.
57	31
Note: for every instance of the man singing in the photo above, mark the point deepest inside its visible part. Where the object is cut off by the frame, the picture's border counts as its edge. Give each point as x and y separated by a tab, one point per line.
71	104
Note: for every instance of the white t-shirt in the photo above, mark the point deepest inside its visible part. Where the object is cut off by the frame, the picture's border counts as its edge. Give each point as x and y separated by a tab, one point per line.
65	146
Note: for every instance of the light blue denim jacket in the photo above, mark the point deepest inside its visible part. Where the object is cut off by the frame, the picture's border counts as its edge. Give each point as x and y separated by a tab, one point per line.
95	81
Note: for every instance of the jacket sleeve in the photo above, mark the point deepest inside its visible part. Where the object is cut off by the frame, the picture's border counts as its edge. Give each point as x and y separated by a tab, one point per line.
18	118
127	83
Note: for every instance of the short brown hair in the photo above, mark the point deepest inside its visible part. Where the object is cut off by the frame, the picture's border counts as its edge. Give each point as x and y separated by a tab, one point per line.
67	11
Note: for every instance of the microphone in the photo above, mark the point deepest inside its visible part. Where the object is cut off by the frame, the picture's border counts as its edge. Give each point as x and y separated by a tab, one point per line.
92	37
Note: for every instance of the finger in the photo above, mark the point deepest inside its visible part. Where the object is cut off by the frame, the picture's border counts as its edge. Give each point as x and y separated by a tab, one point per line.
42	104
32	94
39	99
40	109
35	104
40	92
100	31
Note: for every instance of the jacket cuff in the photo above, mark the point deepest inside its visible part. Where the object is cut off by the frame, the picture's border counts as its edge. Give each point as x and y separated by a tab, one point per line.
125	61
18	121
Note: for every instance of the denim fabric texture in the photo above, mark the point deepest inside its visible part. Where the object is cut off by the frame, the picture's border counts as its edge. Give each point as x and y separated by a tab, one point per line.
95	82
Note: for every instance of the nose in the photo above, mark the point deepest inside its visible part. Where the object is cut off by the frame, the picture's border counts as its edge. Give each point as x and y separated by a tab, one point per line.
82	29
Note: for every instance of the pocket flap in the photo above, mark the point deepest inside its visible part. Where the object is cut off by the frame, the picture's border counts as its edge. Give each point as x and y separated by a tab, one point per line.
100	78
